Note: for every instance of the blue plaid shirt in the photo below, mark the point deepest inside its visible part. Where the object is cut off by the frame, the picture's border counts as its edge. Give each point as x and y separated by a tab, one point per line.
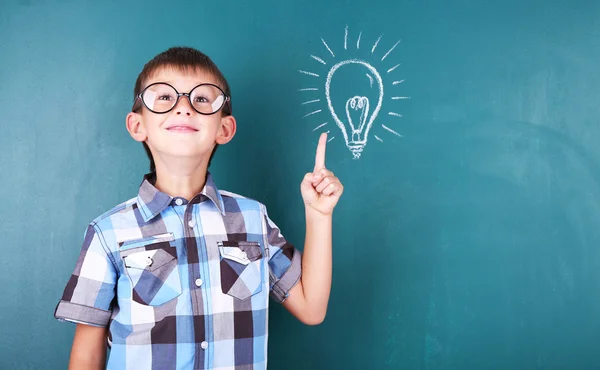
182	285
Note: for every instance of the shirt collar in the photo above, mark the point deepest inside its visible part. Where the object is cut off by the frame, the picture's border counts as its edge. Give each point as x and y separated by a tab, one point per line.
152	201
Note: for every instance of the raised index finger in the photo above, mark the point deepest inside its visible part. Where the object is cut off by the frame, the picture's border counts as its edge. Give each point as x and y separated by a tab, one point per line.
320	157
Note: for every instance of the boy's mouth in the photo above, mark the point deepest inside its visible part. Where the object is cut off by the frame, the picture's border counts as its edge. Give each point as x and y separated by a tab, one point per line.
180	127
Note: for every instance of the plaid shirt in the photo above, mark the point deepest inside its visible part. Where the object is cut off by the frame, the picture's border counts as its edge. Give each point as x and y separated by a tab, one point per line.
182	285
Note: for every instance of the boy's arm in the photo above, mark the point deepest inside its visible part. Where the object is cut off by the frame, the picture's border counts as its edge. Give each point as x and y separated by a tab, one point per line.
89	348
87	301
321	191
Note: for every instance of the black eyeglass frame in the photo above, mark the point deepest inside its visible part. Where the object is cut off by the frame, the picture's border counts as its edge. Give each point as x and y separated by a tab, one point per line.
136	103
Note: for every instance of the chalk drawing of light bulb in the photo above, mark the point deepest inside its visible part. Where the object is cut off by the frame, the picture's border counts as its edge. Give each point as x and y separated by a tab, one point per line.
353	94
356	124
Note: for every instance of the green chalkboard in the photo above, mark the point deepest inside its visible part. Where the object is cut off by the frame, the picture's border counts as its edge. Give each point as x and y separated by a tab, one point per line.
469	233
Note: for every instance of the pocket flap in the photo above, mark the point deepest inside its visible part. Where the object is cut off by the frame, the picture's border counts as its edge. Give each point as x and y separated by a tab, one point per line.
242	252
148	260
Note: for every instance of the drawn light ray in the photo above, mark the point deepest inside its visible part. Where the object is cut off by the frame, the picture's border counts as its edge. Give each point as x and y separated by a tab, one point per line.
321	125
311	113
375	45
389	51
328	48
346	39
390	130
309	73
318	59
394	67
311	101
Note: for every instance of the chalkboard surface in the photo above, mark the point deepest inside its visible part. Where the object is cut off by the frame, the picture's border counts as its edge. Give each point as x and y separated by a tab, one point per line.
468	236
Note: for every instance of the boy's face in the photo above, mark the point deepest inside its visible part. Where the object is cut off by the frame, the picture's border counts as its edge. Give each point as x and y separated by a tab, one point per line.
182	132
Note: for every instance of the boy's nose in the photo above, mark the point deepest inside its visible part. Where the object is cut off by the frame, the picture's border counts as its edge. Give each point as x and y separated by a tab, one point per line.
183	107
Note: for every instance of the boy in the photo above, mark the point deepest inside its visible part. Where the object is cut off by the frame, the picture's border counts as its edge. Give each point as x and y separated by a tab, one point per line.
179	277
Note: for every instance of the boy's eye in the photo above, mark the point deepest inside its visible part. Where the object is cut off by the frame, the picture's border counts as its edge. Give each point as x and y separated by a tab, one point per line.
200	99
165	97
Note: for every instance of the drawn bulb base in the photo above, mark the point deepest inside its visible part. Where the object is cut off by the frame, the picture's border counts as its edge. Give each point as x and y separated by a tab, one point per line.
356	148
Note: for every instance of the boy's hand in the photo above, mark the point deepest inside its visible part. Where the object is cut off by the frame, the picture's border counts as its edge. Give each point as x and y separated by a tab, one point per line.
320	189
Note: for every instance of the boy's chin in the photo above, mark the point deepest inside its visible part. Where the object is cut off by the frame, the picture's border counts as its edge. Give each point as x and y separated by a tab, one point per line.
190	155
187	154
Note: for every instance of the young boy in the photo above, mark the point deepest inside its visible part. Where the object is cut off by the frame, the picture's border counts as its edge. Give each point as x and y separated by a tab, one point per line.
179	277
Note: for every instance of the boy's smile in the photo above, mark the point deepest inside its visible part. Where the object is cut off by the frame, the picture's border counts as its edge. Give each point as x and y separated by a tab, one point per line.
182	127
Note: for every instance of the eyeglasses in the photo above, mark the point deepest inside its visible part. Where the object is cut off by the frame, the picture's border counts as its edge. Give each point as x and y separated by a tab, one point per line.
160	97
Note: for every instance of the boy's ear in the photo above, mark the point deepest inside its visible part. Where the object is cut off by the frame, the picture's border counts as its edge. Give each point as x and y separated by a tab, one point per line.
227	130
135	127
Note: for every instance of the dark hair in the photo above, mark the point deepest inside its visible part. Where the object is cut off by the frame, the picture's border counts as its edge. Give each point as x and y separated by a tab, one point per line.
184	59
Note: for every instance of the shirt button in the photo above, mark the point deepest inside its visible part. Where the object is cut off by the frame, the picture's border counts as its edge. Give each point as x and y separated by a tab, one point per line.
199	282
192	223
204	345
178	201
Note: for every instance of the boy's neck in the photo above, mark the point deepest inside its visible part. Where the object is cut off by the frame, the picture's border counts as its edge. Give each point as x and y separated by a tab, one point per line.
185	182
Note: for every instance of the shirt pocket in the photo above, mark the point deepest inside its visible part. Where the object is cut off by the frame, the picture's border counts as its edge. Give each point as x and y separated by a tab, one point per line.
152	266
240	264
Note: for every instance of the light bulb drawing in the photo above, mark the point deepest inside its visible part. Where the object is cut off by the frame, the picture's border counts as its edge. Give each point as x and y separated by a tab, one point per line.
358	129
354	95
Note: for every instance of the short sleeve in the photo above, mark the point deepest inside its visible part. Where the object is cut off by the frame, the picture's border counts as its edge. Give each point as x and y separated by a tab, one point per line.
90	290
285	262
